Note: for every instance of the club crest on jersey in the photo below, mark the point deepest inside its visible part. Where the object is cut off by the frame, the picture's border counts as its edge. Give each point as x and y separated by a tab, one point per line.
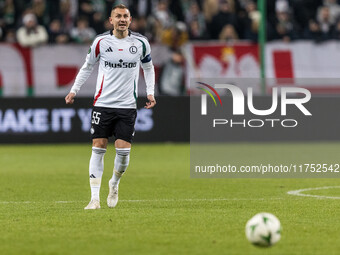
121	64
133	49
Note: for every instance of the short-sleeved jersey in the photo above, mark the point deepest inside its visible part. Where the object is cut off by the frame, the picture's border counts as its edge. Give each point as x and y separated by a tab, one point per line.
119	64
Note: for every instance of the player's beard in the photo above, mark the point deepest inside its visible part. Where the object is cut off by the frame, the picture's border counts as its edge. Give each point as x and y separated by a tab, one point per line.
122	30
119	30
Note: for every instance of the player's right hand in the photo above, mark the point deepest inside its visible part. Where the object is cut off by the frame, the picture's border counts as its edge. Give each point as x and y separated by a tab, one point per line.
69	99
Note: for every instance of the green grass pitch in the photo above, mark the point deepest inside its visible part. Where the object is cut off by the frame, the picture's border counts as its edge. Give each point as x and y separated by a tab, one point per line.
44	188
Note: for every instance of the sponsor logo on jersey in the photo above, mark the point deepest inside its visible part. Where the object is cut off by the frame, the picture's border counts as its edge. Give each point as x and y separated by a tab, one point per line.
109	50
133	49
121	64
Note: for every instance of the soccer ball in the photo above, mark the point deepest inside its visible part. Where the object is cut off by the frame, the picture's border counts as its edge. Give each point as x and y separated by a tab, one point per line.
264	229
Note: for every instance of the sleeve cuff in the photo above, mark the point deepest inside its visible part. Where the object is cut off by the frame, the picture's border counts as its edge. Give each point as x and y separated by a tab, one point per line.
72	91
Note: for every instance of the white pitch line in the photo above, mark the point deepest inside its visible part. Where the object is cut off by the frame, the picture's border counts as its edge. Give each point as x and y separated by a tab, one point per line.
17	202
298	192
200	199
152	200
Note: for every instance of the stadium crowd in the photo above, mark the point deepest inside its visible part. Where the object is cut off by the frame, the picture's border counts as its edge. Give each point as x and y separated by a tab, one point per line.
172	23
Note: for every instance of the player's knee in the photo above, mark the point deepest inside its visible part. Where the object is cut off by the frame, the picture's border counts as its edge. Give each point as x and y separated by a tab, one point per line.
99	143
120	143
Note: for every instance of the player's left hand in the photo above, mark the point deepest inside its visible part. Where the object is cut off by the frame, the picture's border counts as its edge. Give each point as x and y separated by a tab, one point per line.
151	103
69	99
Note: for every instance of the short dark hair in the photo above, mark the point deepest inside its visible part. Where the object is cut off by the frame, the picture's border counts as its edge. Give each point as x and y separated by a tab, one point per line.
119	6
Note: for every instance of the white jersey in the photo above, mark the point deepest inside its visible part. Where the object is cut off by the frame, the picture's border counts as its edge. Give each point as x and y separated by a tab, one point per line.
119	64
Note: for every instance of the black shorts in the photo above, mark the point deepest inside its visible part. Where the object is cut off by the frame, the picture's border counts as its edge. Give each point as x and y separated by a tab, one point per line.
107	122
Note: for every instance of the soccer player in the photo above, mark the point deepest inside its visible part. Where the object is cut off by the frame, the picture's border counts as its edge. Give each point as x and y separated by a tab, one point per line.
120	53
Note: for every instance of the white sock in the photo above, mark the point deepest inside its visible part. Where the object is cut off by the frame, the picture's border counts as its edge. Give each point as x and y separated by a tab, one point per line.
96	170
121	163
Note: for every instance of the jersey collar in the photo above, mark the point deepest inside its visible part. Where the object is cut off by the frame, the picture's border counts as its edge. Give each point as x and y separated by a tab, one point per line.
129	33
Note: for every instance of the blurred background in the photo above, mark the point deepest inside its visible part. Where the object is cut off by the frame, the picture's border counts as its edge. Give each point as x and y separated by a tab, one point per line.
43	43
